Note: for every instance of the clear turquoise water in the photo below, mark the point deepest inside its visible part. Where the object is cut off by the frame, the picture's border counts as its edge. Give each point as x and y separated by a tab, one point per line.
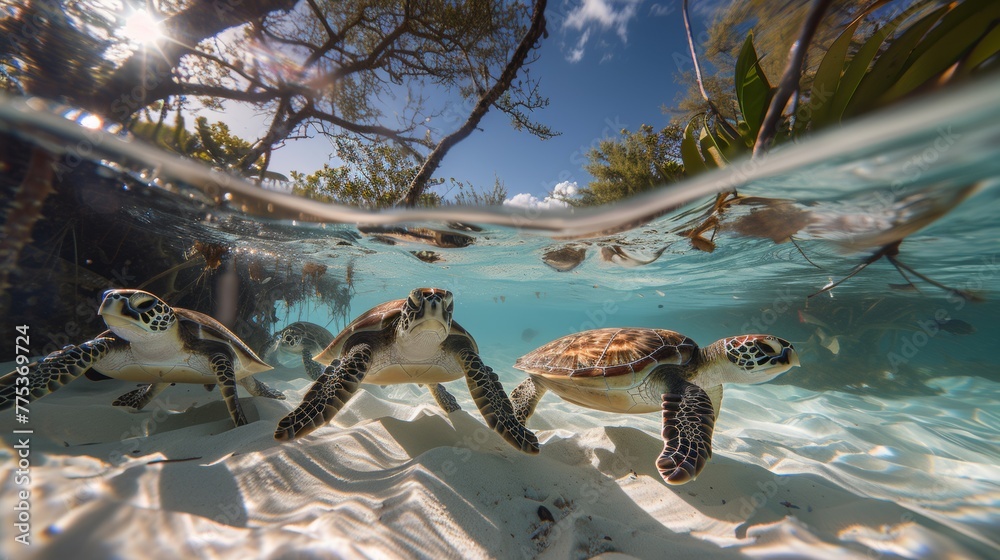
928	172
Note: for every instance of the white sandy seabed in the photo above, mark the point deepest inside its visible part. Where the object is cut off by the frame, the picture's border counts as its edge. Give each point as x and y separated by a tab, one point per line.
795	474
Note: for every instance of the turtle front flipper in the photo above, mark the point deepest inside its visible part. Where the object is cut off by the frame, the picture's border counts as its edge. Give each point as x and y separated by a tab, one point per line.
220	362
139	398
54	371
493	403
313	368
328	394
257	388
688	422
525	398
445	400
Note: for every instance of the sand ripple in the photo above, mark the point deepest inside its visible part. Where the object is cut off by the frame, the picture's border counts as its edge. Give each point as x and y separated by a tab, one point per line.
795	473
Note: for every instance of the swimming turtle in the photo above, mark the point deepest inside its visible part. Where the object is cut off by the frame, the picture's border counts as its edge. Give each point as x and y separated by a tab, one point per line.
637	370
410	340
298	343
304	340
151	342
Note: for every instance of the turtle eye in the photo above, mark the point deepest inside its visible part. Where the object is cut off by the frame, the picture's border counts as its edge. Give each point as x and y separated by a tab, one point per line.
416	298
764	347
143	305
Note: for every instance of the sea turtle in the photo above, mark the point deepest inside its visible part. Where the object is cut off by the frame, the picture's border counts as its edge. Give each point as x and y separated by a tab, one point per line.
298	343
637	370
151	342
303	340
410	340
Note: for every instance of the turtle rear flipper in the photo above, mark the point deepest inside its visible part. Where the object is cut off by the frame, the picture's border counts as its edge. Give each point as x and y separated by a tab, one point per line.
328	394
525	398
54	371
139	398
493	403
688	422
257	388
445	400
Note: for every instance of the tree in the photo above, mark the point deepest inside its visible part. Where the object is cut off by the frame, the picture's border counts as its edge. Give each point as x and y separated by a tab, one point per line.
372	175
213	143
636	162
368	69
468	195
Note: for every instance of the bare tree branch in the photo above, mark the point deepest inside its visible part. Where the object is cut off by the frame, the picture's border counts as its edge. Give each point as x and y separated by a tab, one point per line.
697	74
376	130
790	78
486	100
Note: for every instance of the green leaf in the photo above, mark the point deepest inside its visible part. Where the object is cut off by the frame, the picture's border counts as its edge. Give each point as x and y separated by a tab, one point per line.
858	65
816	113
744	130
690	154
710	147
988	47
943	53
890	63
732	146
753	92
958	13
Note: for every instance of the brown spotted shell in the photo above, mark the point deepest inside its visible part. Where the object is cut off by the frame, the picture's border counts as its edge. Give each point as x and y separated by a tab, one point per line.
615	354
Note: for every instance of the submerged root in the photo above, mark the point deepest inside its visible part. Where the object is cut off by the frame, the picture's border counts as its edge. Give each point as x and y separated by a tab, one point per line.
890	252
23	212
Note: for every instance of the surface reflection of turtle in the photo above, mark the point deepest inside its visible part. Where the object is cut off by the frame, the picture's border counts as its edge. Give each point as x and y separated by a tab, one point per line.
637	370
297	344
411	340
151	342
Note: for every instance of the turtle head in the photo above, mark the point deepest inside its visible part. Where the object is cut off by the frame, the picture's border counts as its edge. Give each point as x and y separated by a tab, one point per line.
753	358
285	347
426	316
136	315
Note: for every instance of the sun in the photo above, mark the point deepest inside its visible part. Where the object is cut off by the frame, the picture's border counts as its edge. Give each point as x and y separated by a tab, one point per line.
142	28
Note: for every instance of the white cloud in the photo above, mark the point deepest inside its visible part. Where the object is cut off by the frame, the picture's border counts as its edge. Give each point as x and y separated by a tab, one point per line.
566	189
708	8
576	53
606	14
660	10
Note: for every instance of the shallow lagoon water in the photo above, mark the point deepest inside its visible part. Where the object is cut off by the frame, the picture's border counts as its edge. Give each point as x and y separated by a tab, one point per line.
882	444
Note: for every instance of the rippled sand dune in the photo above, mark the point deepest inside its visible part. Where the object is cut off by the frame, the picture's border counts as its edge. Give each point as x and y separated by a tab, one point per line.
795	473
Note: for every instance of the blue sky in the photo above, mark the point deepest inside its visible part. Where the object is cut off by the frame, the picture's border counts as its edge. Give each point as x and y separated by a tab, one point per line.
606	65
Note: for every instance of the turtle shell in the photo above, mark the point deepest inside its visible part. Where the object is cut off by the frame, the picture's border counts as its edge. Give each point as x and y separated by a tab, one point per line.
380	319
314	333
202	327
618	355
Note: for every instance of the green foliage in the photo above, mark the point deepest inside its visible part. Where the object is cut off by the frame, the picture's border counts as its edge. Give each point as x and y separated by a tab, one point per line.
753	91
468	195
373	175
924	45
636	162
213	143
